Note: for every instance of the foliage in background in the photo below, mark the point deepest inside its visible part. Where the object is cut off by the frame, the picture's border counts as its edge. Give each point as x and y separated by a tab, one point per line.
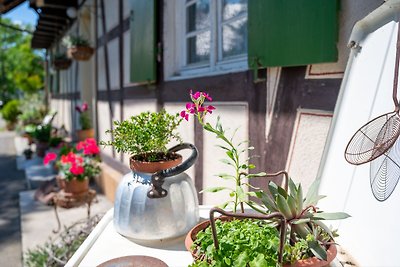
147	133
72	40
56	252
10	111
32	108
21	68
42	133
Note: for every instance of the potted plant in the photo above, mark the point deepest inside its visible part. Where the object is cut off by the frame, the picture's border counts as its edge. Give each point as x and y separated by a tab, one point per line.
307	237
42	135
156	192
86	130
76	166
78	47
61	61
10	112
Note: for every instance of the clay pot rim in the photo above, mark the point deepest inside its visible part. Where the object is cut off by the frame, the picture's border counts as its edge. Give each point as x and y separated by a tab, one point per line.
154	166
309	262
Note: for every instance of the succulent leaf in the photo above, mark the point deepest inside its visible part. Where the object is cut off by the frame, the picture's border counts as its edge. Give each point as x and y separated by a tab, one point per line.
283	206
330	216
317	250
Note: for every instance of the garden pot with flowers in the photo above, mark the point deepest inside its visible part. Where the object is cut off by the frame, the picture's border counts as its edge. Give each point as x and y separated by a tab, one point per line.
86	130
76	166
156	200
285	229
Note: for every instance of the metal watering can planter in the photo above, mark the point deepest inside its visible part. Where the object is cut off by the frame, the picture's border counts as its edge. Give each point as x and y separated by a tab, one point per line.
157	204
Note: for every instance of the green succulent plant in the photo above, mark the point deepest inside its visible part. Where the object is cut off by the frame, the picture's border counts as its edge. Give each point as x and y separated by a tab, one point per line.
303	217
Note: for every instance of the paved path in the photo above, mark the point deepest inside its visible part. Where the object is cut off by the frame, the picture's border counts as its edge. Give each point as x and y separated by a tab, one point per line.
12	182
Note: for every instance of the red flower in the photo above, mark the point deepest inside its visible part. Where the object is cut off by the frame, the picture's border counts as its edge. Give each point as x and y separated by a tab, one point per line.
49	157
89	147
184	115
81	145
210	109
76	169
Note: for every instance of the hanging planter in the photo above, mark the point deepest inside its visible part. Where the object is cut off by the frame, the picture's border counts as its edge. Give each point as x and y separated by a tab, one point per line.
78	48
61	61
80	53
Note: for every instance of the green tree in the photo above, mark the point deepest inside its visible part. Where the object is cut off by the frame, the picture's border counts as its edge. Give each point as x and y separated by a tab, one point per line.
21	68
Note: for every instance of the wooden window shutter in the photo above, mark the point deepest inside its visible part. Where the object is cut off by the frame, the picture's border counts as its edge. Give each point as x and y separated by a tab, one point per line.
292	32
143	41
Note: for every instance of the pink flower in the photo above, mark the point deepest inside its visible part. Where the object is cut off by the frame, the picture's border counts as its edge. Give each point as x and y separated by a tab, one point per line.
210	109
91	149
207	96
76	169
81	145
85	106
184	115
49	157
196	95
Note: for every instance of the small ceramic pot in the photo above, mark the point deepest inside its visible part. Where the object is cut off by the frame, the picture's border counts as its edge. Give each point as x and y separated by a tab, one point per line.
75	186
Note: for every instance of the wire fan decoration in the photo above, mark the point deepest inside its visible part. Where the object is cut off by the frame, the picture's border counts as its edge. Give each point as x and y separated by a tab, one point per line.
385	173
377	136
373	139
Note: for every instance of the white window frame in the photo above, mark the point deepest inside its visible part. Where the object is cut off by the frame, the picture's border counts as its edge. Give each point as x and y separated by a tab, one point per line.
174	44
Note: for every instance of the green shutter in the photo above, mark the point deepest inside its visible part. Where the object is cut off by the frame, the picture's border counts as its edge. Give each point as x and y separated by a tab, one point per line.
292	32
143	41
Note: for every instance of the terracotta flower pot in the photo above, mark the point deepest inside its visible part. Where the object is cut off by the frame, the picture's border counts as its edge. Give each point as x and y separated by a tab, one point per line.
314	261
81	53
310	262
75	186
84	134
152	167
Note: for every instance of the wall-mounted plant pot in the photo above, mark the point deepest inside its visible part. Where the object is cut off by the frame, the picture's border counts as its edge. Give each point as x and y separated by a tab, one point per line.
82	135
81	53
62	64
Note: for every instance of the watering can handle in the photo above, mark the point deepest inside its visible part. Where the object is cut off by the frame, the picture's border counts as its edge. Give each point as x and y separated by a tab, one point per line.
157	179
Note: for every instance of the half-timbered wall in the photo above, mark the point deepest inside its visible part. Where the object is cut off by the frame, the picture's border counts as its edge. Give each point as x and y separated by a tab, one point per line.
286	117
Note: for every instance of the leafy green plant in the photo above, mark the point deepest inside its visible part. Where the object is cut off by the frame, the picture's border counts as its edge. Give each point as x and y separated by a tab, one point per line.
42	133
145	136
84	118
241	243
78	40
33	109
233	151
57	251
303	217
11	110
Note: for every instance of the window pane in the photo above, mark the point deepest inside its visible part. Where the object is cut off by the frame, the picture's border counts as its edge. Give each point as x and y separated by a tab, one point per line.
198	16
232	8
198	48
234	38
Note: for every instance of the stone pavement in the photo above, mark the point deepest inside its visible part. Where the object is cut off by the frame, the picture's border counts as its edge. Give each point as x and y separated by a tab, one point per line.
12	182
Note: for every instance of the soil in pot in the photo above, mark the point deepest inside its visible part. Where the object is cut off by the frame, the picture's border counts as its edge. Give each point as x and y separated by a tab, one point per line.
166	161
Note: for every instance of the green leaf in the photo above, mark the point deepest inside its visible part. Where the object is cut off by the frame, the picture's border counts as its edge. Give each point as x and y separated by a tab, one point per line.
292	187
224	205
299	221
240	193
226	176
223	147
273	188
215	189
229	153
267	201
330	215
317	250
241	260
292	205
225	161
255	206
299	199
251	166
312	194
283	206
259	261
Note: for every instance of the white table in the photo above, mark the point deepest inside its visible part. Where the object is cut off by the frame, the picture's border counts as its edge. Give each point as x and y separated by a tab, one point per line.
104	243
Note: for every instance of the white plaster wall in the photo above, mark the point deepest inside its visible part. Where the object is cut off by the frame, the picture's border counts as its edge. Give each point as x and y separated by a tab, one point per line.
104	122
371	234
111	12
127	56
308	141
113	63
233	116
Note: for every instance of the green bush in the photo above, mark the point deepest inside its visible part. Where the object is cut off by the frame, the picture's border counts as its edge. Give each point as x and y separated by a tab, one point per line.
11	111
